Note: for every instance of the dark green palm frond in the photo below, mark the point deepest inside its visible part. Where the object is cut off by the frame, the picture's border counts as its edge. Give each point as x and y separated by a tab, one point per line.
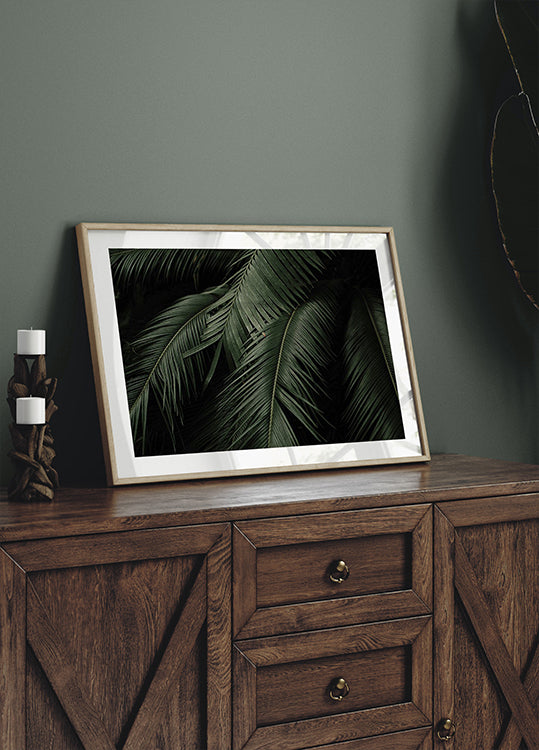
158	363
276	396
371	404
266	284
147	266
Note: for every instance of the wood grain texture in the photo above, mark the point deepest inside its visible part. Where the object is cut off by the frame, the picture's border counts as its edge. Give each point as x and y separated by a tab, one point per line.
277	532
115	610
171	664
494	509
297	573
444	619
244	580
351	640
48	647
12	654
499	659
328	729
72	552
119	623
219	637
410	740
86	510
421	666
284	580
375	678
244	699
422	544
114	623
505	563
512	735
331	612
427	743
283	681
53	730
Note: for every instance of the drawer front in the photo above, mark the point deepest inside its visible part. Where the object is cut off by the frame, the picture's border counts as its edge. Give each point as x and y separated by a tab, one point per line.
334	685
296	691
331	569
308	572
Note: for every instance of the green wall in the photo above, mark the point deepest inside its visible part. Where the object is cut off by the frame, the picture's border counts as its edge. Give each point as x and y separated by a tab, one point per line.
358	112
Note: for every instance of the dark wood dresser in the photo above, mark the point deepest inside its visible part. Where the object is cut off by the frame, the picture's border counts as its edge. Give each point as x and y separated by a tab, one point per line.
389	608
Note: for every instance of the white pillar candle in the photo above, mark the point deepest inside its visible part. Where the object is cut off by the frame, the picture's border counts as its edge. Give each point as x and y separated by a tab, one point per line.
30	410
30	343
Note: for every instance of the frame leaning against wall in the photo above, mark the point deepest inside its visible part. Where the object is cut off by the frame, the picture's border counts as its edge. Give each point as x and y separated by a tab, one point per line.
199	333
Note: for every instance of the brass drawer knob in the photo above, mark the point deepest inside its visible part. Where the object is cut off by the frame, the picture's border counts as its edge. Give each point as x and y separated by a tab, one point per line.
338	689
338	571
446	730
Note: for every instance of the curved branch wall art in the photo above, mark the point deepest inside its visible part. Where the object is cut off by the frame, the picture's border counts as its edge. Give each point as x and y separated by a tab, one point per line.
222	350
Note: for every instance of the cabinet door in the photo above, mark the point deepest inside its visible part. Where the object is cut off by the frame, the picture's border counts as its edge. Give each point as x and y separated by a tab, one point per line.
486	627
117	641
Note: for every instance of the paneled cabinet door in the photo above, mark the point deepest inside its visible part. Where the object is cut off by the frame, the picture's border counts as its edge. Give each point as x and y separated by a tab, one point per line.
486	627
116	641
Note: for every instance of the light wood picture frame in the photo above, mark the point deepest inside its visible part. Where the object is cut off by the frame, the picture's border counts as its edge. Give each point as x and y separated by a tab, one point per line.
224	350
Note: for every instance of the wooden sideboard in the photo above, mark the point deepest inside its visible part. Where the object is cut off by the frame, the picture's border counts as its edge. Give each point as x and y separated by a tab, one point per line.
389	608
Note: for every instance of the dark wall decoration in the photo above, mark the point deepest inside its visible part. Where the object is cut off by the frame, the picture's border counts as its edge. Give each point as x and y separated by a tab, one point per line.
515	145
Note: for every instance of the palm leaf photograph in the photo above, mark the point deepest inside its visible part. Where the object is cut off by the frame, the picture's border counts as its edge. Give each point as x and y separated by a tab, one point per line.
258	348
247	342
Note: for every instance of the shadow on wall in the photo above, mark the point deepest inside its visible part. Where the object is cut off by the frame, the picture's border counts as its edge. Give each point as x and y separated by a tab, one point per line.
75	427
505	322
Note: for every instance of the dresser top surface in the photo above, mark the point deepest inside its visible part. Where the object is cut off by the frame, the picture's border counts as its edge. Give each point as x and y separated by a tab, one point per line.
101	509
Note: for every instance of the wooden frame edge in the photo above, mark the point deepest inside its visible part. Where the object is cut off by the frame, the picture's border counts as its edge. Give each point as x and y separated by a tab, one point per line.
408	346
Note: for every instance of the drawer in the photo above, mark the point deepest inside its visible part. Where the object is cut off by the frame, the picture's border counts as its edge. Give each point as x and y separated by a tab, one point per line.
332	569
301	690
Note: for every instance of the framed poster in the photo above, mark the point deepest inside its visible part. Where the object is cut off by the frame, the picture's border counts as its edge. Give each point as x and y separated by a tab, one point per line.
224	350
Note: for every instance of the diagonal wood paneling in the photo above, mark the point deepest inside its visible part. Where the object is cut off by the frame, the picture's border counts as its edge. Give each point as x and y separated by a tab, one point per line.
53	657
115	621
512	735
479	613
179	646
119	653
85	718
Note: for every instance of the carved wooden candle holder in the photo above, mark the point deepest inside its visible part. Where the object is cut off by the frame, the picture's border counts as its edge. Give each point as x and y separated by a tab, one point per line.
33	451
